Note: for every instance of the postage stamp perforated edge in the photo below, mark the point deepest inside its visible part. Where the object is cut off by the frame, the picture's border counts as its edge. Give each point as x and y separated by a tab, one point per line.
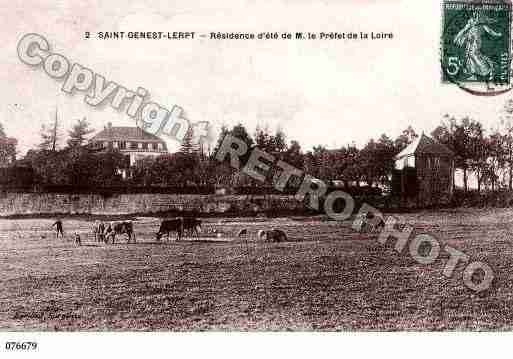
445	79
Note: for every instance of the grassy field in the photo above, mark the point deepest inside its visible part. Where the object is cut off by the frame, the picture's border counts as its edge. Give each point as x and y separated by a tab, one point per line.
326	278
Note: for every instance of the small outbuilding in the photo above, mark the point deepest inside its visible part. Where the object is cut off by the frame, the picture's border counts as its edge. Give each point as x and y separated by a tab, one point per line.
424	173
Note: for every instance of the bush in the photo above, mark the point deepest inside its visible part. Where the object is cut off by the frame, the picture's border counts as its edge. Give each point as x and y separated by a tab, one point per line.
17	178
501	198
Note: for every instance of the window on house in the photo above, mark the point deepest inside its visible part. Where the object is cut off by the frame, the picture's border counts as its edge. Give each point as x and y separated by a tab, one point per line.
133	145
122	145
145	146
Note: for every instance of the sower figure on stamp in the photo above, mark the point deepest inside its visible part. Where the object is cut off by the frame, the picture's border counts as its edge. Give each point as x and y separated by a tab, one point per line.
58	228
476	65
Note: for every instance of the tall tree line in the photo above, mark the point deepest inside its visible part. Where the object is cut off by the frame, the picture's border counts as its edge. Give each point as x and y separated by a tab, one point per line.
486	156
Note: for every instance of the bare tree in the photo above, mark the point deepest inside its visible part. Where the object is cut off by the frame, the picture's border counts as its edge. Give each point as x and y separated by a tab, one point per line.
50	135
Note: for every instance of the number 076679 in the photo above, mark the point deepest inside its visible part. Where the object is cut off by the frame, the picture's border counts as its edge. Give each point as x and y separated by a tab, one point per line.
20	346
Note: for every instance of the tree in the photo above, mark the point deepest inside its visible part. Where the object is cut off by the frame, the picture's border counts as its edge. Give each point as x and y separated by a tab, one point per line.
405	138
77	135
316	163
386	154
7	148
271	143
495	153
76	166
349	167
50	135
507	131
238	131
465	138
294	155
222	134
262	138
484	160
188	146
278	141
241	133
106	165
377	160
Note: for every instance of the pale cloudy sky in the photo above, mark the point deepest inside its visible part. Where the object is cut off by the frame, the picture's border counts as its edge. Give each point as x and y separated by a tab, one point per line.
320	92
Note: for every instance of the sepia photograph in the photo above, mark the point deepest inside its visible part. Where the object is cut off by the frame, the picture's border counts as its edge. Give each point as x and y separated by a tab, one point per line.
185	171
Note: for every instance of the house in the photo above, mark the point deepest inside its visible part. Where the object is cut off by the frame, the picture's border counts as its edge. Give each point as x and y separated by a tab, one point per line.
424	173
131	141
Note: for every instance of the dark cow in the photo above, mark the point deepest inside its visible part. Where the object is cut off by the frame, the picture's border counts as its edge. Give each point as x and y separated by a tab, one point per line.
275	235
170	225
125	227
192	225
99	231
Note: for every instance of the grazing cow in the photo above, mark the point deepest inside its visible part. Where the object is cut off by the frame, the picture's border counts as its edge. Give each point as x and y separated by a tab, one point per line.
242	233
58	228
171	225
371	223
192	225
77	239
99	232
109	233
275	235
125	227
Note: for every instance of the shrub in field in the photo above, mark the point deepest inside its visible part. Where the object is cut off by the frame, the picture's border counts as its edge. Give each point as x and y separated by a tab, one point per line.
500	199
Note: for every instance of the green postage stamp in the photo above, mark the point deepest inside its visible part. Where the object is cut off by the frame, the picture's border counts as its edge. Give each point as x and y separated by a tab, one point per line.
476	42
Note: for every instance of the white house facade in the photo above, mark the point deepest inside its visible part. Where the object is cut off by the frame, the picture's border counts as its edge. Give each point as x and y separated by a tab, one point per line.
131	141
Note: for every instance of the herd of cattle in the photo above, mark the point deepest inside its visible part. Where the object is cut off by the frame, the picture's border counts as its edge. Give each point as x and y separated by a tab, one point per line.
191	226
107	232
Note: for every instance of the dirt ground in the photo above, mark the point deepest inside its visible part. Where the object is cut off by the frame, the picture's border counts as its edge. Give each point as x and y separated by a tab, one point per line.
327	277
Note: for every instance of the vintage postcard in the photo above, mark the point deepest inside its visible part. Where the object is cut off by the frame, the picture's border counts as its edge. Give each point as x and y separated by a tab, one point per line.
241	166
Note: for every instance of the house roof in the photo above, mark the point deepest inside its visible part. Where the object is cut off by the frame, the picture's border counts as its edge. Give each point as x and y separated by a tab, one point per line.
425	145
126	133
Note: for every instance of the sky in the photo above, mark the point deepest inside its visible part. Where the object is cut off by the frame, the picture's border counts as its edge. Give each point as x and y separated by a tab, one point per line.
329	92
